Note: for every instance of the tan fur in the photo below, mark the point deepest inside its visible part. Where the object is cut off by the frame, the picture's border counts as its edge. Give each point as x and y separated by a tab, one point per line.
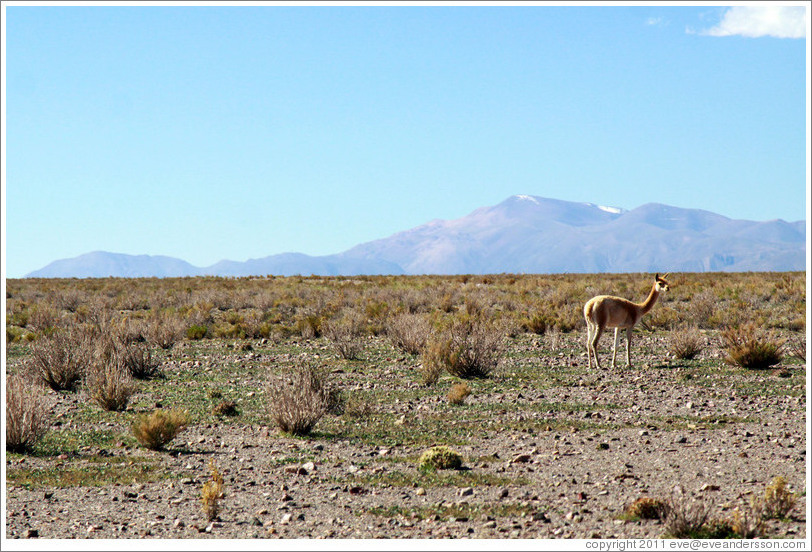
607	311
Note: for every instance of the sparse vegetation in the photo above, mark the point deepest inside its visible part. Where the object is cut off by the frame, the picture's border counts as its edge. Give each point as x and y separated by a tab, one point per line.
778	501
647	508
530	433
60	359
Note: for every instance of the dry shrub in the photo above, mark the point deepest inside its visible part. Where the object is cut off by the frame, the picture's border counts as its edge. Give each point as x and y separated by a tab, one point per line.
212	493
225	408
430	371
702	308
108	381
748	523
536	323
60	359
647	508
345	334
684	519
685	343
25	414
458	393
797	349
157	429
299	399
164	330
467	348
408	332
778	501
358	408
138	362
751	347
309	325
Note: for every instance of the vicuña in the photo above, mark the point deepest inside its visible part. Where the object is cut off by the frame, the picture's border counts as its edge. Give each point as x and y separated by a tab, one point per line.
607	311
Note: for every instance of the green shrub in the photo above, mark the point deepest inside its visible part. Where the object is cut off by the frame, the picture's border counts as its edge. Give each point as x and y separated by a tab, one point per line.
440	458
196	331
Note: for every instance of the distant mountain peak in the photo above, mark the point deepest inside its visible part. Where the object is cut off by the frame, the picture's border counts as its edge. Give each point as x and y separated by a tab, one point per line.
523	234
522	197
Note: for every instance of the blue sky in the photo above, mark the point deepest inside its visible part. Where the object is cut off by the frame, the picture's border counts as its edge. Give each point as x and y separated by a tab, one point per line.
238	132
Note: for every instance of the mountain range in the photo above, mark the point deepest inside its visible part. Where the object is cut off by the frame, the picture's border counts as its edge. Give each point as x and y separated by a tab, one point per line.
523	234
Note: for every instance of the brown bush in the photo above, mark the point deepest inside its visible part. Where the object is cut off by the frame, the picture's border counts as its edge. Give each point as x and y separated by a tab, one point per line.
685	343
345	334
163	330
26	413
108	381
467	348
408	332
647	508
299	399
751	347
60	359
157	429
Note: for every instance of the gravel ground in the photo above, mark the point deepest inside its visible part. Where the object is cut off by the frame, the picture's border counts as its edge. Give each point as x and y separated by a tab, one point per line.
529	473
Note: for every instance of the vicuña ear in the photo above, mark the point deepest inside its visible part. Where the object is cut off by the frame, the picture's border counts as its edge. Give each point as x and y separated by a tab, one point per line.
665	275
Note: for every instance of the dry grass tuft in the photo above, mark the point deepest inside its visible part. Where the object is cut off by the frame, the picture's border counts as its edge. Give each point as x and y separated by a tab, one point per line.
212	493
345	334
647	508
778	500
225	408
408	332
751	347
157	429
108	381
458	393
26	421
138	362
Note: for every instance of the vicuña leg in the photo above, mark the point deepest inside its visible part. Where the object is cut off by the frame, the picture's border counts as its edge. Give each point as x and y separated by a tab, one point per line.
628	347
593	344
614	348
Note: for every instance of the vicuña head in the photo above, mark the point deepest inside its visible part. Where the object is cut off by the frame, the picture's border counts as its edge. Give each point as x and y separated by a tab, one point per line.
608	311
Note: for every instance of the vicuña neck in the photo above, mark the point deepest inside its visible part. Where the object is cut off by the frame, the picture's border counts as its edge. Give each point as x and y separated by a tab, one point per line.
650	300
